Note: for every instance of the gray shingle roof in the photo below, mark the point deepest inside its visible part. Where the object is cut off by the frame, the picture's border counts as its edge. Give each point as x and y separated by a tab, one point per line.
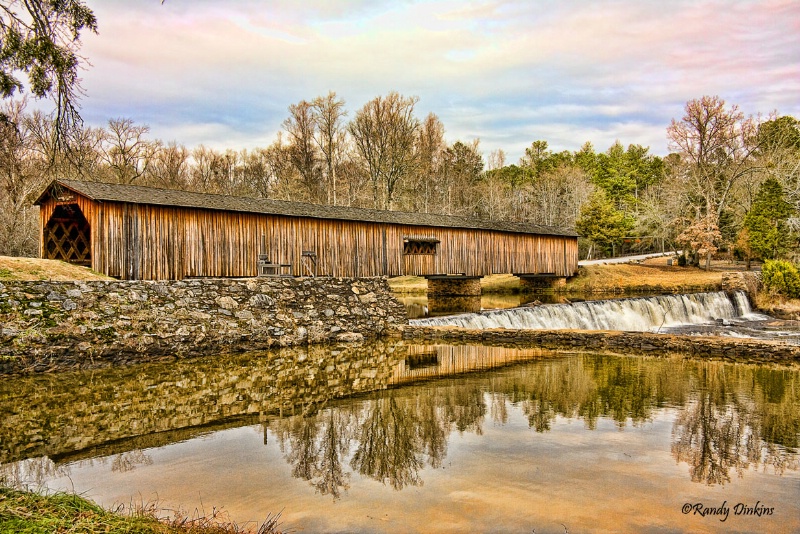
134	194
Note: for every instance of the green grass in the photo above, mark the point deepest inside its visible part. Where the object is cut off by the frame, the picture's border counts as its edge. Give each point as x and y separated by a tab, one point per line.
23	512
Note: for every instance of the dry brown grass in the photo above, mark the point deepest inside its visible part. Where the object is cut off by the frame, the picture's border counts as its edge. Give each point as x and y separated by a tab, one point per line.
644	277
37	269
650	276
778	306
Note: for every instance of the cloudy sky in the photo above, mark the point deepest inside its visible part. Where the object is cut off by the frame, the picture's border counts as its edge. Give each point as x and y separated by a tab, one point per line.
506	72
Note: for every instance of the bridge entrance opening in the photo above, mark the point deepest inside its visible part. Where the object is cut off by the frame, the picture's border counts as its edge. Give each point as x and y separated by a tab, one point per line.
67	236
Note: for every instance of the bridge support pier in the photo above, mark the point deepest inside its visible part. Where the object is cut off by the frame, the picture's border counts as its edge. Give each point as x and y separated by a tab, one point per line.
454	285
540	283
454	293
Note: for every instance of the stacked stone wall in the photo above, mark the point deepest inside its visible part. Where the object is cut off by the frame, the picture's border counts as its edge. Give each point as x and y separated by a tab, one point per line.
747	281
455	286
57	325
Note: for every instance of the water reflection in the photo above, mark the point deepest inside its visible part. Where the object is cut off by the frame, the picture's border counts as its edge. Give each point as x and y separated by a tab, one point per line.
735	422
388	411
72	415
729	418
388	438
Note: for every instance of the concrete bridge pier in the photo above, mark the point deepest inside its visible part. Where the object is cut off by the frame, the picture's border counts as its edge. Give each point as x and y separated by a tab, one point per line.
540	283
454	293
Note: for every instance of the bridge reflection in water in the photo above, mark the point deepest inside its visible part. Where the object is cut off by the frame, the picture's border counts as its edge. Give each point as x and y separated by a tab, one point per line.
495	423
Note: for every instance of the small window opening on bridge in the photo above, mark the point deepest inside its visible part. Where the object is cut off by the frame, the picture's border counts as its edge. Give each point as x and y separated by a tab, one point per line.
421	361
419	245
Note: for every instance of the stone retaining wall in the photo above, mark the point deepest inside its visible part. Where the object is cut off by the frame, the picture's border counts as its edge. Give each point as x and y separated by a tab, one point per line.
49	325
454	286
89	324
747	281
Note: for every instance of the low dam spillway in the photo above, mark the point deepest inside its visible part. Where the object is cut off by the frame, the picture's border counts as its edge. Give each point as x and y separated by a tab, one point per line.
640	314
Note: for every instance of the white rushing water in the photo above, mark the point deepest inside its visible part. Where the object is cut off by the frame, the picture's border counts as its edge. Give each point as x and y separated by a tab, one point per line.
640	314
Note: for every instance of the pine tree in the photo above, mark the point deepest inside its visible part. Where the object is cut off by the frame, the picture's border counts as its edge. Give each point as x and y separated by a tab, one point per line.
769	237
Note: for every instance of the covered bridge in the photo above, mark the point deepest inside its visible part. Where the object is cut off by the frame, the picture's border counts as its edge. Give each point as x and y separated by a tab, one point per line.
134	232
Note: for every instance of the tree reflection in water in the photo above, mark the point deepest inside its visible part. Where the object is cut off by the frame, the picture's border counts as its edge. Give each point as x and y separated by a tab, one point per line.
31	473
128	461
735	421
729	418
316	444
395	434
388	445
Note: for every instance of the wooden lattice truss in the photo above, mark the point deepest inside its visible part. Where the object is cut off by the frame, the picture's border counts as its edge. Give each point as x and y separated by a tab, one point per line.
67	236
419	245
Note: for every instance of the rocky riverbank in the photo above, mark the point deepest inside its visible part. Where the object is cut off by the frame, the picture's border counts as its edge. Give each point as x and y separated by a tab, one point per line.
46	325
87	324
634	343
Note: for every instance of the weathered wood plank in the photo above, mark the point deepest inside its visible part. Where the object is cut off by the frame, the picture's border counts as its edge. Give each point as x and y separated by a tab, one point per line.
142	241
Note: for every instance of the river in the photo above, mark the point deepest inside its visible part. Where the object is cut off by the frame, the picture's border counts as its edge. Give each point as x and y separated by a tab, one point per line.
392	437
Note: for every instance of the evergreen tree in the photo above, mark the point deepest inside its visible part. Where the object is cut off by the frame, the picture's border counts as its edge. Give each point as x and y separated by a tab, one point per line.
602	223
769	237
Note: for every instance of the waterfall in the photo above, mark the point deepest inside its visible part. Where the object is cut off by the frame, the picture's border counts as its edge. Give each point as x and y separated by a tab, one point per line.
630	314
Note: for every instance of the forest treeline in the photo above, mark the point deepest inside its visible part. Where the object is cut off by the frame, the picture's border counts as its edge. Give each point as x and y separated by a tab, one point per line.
730	183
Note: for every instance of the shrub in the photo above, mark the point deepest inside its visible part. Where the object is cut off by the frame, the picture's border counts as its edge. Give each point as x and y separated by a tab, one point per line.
782	277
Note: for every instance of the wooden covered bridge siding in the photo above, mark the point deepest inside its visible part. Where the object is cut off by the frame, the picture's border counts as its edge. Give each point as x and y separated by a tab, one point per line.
144	241
66	230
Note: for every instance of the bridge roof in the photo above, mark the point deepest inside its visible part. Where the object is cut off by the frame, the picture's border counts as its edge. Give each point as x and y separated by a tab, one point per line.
135	194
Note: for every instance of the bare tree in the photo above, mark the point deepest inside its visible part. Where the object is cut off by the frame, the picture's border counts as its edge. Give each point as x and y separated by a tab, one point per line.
227	175
301	127
715	145
330	137
461	169
663	207
494	192
170	167
255	173
282	173
201	175
558	194
430	147
42	38
384	132
21	179
496	160
355	190
127	151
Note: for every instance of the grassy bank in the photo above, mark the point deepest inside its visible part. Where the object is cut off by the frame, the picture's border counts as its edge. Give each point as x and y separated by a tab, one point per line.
653	276
37	269
33	513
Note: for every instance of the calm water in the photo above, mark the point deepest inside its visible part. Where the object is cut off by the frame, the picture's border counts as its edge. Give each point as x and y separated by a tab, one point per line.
422	438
